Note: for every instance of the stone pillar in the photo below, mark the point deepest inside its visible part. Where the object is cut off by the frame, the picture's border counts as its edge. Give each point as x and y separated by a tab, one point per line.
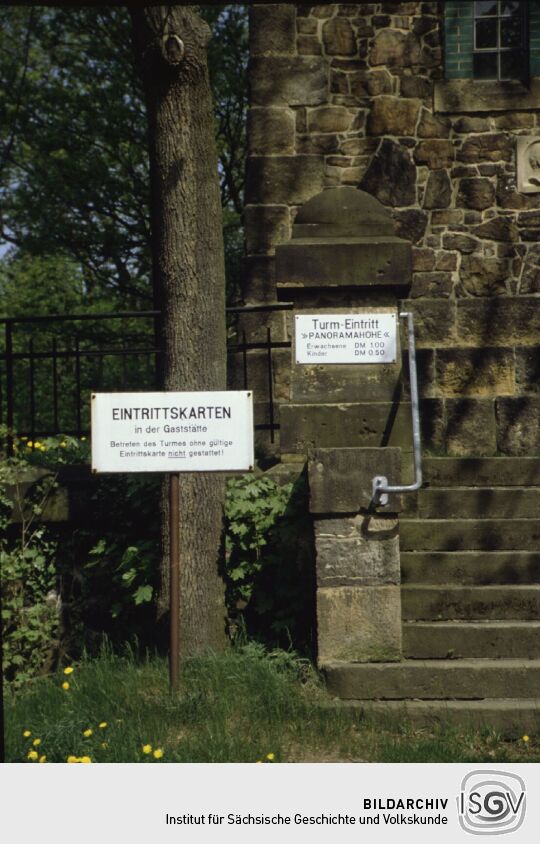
357	552
350	422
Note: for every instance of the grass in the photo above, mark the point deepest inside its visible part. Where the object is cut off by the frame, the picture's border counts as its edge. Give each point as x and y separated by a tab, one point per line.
237	706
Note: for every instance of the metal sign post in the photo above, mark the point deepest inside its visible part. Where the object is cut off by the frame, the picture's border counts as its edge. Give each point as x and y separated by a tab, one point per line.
173	433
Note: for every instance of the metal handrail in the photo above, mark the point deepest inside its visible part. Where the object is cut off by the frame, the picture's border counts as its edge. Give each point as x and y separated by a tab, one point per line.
380	486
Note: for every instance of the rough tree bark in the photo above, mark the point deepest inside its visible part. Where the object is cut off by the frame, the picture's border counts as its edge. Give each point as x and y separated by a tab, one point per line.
189	282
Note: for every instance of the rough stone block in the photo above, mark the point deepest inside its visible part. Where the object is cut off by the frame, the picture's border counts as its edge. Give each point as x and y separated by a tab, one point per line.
284	179
476	193
363	262
528	370
518	425
475	372
272	29
500	321
283	81
257	282
492	147
433	127
266	226
329	119
338	37
322	383
483	276
340	479
359	624
395	49
270	131
470	427
391	176
305	427
393	116
434	321
431	285
435	153
438	190
251	373
367	554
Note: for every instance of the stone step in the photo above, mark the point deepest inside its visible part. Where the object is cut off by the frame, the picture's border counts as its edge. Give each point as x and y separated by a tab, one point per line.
482	471
510	717
465	503
480	639
460	679
502	603
469	534
470	568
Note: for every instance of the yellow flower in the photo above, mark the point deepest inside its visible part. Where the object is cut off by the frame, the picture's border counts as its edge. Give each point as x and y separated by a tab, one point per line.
37	444
69	670
43	448
36	742
158	753
85	760
32	755
29	444
72	759
63	445
525	739
270	756
83	439
104	745
147	748
65	686
27	734
103	725
42	758
87	733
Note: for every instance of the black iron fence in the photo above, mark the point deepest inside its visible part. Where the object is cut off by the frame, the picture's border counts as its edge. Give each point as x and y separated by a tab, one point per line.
50	364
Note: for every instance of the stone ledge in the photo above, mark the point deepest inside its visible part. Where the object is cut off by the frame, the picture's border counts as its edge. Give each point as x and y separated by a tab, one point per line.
473	95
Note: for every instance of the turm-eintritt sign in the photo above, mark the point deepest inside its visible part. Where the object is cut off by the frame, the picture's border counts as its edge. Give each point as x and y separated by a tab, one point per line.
345	338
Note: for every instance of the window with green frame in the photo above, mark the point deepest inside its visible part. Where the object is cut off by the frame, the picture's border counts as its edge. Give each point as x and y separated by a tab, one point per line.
492	39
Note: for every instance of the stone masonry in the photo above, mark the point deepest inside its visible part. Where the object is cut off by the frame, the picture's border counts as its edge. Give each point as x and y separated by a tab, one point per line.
355	94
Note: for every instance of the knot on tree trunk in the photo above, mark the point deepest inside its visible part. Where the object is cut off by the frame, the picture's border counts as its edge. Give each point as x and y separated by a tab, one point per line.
172	49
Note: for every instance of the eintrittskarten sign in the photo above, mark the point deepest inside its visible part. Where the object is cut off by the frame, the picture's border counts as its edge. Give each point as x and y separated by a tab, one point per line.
172	432
346	338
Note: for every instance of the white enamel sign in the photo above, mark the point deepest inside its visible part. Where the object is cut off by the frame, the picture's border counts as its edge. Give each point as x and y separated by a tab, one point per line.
345	338
172	432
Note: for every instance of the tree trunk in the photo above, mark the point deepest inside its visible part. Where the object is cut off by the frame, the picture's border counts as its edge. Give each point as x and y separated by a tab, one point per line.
189	282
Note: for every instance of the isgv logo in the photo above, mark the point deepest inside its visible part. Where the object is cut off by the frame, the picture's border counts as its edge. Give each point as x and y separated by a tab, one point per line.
491	802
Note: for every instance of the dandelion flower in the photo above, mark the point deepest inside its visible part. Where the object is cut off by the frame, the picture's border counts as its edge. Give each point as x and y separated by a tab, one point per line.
65	685
36	742
43	758
158	753
69	670
525	739
29	444
87	733
27	733
32	755
102	725
147	748
270	756
71	759
37	444
85	760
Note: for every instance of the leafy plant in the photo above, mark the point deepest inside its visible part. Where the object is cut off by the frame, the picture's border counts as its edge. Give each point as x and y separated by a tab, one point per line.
30	599
269	558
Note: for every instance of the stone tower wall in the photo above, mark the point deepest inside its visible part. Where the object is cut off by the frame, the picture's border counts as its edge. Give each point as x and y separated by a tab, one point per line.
355	95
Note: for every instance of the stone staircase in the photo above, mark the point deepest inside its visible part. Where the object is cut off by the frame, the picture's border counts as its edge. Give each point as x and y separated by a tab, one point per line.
470	564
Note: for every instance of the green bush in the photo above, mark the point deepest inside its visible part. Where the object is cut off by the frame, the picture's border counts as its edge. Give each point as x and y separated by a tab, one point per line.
30	597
